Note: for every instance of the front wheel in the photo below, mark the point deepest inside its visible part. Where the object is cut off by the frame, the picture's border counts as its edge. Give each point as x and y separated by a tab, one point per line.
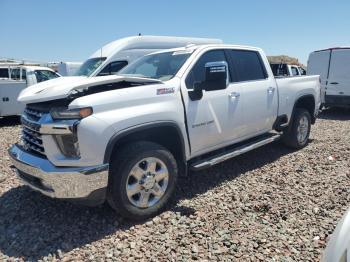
143	177
297	135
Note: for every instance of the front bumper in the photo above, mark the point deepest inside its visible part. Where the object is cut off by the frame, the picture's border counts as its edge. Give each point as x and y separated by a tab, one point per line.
81	184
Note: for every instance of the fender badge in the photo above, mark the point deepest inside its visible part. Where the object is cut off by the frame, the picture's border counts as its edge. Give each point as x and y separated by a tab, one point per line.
163	91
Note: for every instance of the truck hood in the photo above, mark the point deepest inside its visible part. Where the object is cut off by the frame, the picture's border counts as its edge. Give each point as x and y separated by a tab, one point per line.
61	87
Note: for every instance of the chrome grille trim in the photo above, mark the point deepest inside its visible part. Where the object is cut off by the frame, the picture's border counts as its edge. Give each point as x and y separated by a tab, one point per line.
31	133
33	147
33	114
31	136
35	141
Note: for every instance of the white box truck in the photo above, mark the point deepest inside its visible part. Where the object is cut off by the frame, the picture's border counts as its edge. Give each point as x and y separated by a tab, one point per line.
68	68
114	56
333	65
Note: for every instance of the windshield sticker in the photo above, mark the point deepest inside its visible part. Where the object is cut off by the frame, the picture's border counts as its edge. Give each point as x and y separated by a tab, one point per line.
164	91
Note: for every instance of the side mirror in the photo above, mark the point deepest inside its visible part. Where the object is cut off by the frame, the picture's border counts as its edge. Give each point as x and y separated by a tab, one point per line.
216	76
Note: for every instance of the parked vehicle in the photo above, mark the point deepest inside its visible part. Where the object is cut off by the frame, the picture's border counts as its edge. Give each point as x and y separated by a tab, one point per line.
114	56
68	68
338	246
282	69
126	138
15	78
333	65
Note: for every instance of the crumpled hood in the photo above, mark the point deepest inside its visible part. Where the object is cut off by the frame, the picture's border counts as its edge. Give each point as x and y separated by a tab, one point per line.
61	87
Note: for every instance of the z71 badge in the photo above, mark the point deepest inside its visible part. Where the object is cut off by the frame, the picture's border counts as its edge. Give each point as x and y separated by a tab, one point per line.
163	91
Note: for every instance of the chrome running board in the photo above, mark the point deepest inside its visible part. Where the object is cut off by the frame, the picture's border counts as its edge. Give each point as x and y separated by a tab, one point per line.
233	152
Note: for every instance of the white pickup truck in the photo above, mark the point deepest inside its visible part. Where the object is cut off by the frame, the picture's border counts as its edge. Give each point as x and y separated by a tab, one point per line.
283	69
15	78
126	138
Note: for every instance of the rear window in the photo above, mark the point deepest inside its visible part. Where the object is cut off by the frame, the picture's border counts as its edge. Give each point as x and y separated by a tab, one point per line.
4	73
279	69
248	65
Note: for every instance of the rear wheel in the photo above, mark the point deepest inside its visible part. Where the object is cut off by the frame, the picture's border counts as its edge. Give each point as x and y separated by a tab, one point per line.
143	176
297	135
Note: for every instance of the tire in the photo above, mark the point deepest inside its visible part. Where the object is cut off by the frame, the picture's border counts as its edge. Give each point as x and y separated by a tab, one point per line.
135	188
296	136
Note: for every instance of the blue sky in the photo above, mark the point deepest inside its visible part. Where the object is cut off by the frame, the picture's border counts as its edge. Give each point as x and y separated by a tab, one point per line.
70	30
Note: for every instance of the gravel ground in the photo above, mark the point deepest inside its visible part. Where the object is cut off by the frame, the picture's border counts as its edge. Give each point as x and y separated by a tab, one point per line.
272	204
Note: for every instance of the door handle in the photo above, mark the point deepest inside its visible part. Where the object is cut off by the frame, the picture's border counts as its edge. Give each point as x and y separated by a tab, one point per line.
334	83
234	95
270	90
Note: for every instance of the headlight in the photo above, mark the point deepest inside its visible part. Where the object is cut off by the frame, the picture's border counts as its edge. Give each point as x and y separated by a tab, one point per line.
65	113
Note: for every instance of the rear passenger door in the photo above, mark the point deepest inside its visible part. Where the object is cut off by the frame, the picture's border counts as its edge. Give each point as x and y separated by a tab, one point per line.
258	92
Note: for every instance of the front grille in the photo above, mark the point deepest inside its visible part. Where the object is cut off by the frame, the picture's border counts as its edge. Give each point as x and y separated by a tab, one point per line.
33	114
31	137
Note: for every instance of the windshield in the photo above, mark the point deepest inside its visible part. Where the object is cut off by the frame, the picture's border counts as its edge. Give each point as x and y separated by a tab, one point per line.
44	75
162	66
89	66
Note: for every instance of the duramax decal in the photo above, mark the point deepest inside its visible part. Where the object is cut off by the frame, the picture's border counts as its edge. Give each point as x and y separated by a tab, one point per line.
203	124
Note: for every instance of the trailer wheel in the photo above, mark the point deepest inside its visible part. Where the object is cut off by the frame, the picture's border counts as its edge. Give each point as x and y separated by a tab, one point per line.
297	135
143	176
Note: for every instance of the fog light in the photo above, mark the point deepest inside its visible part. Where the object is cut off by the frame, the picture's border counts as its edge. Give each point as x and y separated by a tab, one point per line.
68	145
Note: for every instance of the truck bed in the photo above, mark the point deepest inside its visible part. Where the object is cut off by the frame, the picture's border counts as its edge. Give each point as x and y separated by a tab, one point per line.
295	86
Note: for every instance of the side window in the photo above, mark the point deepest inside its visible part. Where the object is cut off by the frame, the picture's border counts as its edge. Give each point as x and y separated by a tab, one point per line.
113	68
197	74
24	74
248	65
295	71
4	73
116	66
15	73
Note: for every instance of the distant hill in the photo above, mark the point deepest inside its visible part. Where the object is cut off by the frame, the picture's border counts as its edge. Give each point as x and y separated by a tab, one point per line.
284	59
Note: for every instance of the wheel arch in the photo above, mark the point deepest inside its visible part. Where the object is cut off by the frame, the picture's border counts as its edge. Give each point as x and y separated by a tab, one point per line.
167	134
307	102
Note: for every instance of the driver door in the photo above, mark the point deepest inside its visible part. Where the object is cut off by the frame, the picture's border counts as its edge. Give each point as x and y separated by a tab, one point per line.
214	120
